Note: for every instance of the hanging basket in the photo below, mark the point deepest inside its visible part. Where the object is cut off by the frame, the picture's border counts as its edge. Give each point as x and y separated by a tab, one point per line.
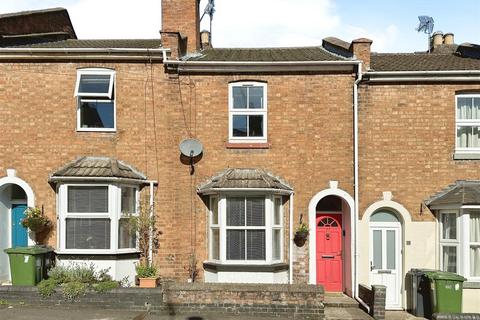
300	238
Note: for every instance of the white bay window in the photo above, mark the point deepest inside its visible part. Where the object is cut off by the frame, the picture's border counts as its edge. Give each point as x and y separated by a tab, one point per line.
95	218
246	229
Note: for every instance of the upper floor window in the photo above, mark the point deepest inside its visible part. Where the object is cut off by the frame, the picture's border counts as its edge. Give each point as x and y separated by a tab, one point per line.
248	112
95	91
468	123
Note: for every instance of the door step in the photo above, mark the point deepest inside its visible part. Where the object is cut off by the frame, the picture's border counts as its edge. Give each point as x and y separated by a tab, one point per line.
339	306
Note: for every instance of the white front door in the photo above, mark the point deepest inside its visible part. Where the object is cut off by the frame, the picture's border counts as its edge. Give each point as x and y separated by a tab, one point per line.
386	260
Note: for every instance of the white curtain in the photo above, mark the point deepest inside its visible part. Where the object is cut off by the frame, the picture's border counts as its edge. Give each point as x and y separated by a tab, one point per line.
475	244
468	109
449	258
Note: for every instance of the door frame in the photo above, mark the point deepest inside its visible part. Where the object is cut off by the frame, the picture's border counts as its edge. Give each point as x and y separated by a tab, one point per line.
397	226
312	250
338	217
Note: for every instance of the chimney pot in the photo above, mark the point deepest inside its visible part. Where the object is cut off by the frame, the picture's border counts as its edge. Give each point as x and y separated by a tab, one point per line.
448	38
206	39
437	39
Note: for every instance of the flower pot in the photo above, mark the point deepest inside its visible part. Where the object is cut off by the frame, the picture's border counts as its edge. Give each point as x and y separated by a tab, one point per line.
148	282
300	239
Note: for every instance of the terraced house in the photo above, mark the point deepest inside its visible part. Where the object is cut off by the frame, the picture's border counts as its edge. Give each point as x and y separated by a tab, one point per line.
376	153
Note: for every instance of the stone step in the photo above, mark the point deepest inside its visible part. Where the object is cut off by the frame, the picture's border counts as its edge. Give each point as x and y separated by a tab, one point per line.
339	300
342	313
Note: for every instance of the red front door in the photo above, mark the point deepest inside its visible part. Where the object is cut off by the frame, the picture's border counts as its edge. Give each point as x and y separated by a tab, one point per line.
329	251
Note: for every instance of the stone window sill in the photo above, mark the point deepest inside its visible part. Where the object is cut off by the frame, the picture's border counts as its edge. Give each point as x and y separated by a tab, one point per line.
246	145
217	267
471	285
96	256
466	156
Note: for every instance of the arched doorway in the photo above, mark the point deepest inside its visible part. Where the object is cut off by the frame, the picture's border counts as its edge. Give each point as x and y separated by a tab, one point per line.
331	249
386	255
15	196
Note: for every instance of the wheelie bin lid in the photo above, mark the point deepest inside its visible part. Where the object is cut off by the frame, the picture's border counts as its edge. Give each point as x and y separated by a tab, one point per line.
33	250
443	275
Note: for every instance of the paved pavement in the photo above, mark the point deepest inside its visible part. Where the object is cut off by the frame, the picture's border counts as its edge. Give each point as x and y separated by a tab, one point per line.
62	313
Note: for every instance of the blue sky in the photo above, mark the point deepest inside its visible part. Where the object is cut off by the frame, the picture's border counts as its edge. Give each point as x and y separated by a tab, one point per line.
254	23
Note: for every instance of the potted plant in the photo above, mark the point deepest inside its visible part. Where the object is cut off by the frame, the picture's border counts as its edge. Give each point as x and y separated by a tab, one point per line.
144	226
35	220
301	235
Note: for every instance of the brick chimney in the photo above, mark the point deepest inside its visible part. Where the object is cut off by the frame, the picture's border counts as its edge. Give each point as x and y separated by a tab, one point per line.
361	49
181	26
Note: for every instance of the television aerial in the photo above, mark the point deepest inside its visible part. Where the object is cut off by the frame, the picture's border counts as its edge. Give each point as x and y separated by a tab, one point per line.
191	148
209	10
426	26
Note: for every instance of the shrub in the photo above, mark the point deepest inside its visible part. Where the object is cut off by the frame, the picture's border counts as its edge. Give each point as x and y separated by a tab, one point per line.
73	290
146	271
47	287
106	286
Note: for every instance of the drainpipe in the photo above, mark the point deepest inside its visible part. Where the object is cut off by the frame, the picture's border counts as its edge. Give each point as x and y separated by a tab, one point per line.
150	241
290	242
356	192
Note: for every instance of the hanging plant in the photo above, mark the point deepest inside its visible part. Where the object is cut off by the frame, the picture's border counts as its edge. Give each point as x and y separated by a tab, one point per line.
35	220
301	235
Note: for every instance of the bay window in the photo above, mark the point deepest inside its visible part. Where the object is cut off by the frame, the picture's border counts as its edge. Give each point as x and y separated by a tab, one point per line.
246	229
449	241
95	218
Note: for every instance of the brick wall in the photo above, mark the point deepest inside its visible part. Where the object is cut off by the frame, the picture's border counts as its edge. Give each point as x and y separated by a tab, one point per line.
182	16
407	141
374	298
309	130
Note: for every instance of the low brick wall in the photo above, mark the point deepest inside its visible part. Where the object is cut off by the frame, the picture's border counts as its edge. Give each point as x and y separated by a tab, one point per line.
134	299
374	297
456	316
290	301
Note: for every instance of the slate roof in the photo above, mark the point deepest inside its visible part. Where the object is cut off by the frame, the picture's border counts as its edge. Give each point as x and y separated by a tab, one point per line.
267	54
243	178
422	62
90	167
97	43
463	192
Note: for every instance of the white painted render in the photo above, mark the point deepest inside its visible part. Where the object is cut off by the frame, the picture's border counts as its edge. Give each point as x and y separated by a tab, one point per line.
247	277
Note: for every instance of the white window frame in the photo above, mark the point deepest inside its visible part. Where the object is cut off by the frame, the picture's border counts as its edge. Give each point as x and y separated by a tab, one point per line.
449	242
247	112
114	214
212	227
278	227
465	123
93	97
269	212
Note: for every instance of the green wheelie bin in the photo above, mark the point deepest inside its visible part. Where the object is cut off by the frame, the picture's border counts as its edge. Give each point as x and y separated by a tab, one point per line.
28	265
446	290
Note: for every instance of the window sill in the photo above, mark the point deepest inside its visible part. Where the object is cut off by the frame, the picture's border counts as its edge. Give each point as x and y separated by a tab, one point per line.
218	267
98	256
471	285
97	130
247	145
466	156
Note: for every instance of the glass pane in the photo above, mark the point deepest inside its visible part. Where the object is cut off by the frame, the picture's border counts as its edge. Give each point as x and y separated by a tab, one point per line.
94	83
449	258
87	233
214	211
475	261
383	216
96	114
276	244
330	203
128	200
391	253
377	249
476	108
239	126
474	226
235	211
239	97
88	199
255	126
235	245
18	193
255	244
126	237
255	98
215	244
464	135
277	214
255	211
449	226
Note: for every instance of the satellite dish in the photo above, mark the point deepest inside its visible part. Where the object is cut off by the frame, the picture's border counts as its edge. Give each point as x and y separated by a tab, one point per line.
191	148
426	24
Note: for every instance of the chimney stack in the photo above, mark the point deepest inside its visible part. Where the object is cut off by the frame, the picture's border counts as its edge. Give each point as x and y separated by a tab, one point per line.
361	50
181	26
206	39
448	38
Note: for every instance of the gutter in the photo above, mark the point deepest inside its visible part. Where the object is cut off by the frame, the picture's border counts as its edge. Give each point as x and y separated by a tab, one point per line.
101	179
423	76
272	190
